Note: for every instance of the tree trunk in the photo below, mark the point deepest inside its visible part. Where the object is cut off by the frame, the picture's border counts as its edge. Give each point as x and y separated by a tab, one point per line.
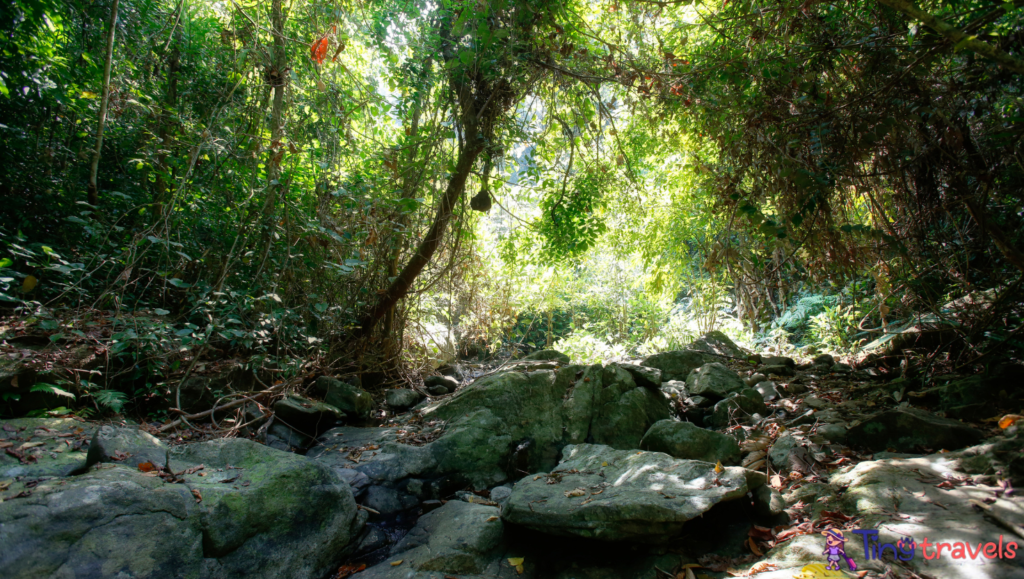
167	116
401	284
279	78
93	188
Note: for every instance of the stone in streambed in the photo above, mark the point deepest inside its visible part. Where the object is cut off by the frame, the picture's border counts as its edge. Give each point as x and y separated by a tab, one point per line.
688	441
345	396
907	429
447	383
601	493
718	343
307	416
644	376
713	380
402	398
677	364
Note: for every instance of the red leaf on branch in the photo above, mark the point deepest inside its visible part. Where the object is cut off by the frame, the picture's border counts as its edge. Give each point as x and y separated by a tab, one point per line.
318	50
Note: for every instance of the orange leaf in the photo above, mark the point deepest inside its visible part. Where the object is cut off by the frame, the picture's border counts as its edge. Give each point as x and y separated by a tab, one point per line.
318	51
146	467
1008	420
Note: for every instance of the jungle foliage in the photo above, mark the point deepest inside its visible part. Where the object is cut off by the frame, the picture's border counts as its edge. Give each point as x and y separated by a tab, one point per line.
292	181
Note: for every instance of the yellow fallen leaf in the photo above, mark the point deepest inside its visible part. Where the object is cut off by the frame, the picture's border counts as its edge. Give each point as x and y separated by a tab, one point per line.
516	561
718	467
604	464
29	284
30	445
397	563
5	484
1009	420
576	492
491	519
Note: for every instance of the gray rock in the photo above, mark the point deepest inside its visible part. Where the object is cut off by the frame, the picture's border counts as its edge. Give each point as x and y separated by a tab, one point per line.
738	408
458	538
714	380
345	396
783	447
448	383
281	437
688	441
307	416
795	389
553	355
675	365
717	343
194	394
643	376
754	379
501	494
779	361
271	514
139	446
601	493
768	502
841	368
383	500
402	398
780	370
701	401
816	403
675	389
437	390
767	390
833	432
907	429
752	393
823	360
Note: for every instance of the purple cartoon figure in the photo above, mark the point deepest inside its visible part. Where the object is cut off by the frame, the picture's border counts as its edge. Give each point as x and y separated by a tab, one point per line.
835	550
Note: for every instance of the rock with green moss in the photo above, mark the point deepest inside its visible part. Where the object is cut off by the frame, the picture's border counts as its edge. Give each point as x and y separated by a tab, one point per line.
258	512
348	398
719	344
677	364
689	441
307	416
553	355
714	380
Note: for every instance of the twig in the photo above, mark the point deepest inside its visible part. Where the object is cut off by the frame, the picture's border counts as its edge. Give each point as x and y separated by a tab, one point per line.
990	513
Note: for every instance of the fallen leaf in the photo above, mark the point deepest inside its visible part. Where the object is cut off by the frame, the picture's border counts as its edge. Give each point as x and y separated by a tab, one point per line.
762	567
718	467
397	563
576	492
1009	420
146	467
197	495
491	519
4	485
6	444
30	445
753	547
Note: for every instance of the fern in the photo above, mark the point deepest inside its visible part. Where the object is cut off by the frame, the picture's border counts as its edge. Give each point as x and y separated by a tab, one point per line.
111	399
51	389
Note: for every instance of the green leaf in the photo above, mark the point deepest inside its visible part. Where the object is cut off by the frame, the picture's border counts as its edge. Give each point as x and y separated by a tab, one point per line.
466	56
6	262
51	389
178	283
56	337
161	312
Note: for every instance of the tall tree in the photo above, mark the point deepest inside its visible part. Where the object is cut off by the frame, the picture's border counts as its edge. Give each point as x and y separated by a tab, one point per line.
93	194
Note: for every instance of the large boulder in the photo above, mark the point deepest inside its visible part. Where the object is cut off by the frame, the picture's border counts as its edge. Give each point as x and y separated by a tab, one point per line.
738	408
457	539
344	396
613	495
257	512
714	380
677	364
553	355
689	441
642	375
402	398
910	429
447	383
307	416
717	343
